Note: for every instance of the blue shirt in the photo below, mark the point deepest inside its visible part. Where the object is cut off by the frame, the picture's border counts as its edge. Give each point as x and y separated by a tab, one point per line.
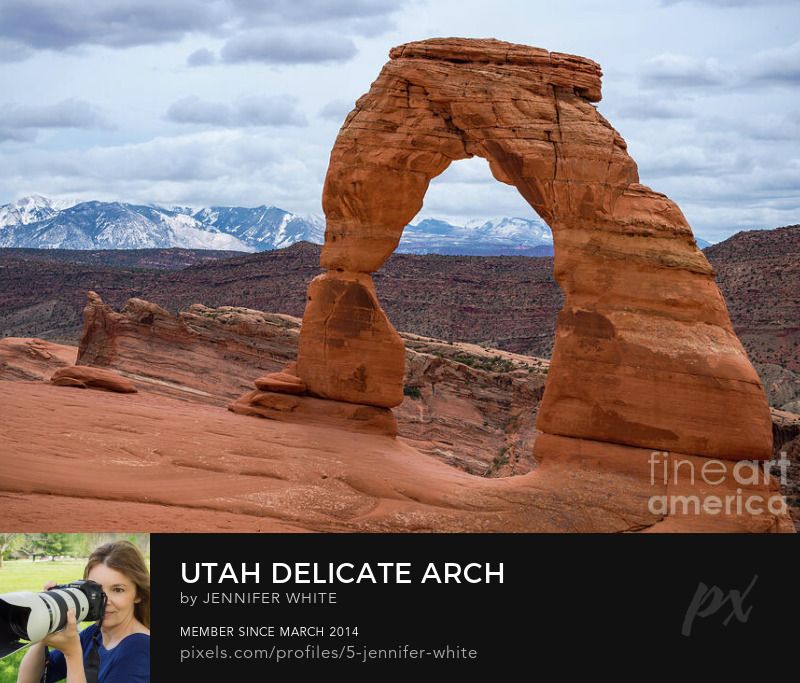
128	662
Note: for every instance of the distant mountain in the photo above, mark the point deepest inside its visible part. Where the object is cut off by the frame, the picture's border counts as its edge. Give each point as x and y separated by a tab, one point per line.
264	227
497	237
113	225
31	209
41	223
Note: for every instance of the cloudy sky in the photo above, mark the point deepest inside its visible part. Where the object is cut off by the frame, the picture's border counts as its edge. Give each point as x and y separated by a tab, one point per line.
238	102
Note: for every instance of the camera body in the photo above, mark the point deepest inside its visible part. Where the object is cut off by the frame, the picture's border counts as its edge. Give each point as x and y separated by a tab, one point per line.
84	594
34	616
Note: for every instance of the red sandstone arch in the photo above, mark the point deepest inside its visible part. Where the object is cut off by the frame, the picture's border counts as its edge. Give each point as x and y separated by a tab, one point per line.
645	354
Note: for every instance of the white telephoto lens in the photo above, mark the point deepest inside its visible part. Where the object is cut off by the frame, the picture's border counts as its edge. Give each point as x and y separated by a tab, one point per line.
76	600
40	617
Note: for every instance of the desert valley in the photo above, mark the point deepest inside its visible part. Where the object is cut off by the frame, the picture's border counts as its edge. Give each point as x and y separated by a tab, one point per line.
171	456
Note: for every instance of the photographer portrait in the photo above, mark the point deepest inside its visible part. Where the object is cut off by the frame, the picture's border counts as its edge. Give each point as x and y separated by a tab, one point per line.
115	594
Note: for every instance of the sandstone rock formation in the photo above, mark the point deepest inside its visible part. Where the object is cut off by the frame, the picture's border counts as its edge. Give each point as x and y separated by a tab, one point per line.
471	407
92	378
645	354
205	353
186	465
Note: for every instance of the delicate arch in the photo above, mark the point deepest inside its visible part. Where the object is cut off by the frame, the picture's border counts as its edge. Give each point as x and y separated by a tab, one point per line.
645	354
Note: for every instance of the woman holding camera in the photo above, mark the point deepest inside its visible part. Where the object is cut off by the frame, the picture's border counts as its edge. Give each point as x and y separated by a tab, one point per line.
115	649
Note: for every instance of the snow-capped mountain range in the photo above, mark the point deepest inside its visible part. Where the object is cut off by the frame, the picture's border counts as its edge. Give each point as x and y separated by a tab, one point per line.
31	209
499	236
42	223
37	222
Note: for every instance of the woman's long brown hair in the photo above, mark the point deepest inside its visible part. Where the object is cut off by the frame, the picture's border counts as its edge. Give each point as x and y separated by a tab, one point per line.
126	558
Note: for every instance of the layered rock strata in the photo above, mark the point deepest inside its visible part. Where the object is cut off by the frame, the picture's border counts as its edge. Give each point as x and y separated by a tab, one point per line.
203	353
645	354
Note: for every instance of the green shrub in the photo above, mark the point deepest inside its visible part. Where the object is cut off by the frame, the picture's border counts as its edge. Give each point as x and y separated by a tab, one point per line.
413	392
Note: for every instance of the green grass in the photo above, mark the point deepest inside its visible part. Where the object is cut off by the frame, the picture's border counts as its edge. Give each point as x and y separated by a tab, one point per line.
9	667
24	575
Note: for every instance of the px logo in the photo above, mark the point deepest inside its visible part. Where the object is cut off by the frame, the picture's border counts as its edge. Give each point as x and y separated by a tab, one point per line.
708	601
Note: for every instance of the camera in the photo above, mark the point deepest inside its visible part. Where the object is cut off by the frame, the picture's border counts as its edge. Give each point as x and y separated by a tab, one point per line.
30	617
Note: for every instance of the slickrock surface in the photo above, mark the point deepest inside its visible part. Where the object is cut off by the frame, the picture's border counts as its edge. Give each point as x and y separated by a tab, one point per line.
472	407
22	358
310	410
163	464
92	378
645	354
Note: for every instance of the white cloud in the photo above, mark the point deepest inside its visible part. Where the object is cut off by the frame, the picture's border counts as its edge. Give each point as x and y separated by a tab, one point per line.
336	110
70	113
60	24
27	26
236	167
247	111
730	3
776	66
201	57
281	47
684	71
466	190
652	106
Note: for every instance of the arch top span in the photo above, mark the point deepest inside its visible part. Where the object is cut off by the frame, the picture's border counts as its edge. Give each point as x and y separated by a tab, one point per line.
557	68
645	354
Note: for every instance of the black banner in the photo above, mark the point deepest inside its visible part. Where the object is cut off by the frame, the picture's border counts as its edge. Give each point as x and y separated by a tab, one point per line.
237	606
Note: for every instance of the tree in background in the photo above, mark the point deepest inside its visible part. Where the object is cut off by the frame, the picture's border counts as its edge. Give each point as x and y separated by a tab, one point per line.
8	544
53	545
85	544
35	546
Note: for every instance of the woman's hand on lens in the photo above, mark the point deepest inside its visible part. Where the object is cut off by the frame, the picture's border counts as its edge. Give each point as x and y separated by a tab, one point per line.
67	639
